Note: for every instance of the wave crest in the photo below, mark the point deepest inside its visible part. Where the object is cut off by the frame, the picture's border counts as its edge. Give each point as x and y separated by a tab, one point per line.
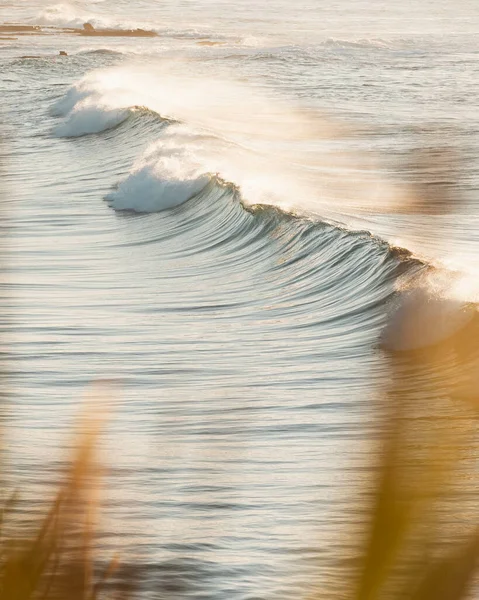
91	118
166	176
153	188
88	110
374	43
68	15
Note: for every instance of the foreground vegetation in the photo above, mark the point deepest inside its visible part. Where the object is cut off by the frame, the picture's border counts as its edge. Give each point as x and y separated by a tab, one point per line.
408	553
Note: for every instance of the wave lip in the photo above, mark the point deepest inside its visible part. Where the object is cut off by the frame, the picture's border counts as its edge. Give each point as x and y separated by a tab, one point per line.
373	43
146	191
88	118
73	96
162	179
88	110
71	16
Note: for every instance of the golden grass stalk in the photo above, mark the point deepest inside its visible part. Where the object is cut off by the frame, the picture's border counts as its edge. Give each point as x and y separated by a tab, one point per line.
57	560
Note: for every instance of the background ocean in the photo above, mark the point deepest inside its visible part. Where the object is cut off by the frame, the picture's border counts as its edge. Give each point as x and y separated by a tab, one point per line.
217	219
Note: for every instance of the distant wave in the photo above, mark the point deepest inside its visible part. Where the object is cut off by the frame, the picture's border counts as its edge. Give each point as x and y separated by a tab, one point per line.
228	128
87	112
71	16
102	51
87	119
376	43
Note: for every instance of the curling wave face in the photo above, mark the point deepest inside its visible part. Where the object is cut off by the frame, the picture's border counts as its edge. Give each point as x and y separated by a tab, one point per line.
275	152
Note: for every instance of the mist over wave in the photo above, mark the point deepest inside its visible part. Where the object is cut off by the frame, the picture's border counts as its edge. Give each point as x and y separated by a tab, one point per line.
372	43
75	14
166	176
276	153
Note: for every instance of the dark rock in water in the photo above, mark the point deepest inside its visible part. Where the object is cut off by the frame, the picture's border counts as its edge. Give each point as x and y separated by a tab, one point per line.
89	30
63	53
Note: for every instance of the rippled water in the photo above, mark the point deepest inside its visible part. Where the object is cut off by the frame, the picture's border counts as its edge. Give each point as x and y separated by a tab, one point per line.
211	227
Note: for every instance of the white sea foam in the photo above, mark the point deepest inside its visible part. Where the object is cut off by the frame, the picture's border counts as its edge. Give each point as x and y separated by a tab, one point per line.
374	43
74	95
88	107
157	186
165	176
88	118
275	153
71	15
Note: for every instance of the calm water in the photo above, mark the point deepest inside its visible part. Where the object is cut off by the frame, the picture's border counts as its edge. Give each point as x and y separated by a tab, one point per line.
212	227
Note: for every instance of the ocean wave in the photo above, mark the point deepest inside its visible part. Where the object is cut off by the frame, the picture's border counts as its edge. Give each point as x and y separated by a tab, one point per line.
167	175
276	153
69	15
373	43
271	152
154	188
101	51
87	110
73	96
90	118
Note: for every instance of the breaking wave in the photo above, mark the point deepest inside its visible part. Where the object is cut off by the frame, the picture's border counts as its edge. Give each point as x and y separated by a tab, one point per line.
189	131
229	130
373	43
160	180
69	15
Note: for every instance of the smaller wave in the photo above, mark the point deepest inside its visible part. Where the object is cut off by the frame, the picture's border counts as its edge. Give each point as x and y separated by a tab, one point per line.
154	188
91	118
73	96
87	111
88	119
168	174
69	15
374	43
101	52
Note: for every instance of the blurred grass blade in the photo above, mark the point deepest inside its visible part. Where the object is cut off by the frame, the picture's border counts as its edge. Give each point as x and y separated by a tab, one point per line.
450	578
390	519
